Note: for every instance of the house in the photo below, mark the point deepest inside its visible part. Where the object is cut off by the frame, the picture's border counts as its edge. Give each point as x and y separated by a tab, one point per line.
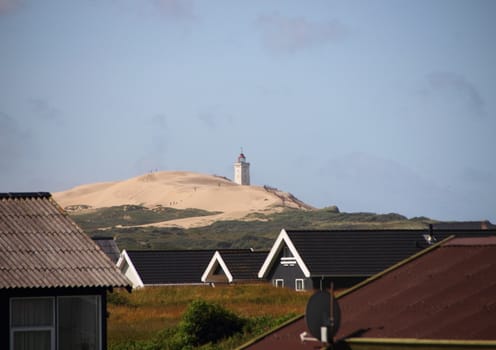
305	260
53	278
464	225
109	247
234	266
444	297
167	267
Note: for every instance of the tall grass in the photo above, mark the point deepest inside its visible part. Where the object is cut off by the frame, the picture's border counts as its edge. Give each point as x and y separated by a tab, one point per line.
144	313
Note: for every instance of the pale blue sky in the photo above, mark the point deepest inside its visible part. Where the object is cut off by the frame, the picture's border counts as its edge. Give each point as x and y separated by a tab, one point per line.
377	106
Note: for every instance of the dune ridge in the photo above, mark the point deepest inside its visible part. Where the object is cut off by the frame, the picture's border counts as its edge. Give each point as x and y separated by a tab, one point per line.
181	190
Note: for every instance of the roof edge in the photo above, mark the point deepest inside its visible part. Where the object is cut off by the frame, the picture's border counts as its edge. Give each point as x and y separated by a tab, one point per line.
394	267
416	341
124	258
269	262
209	270
25	195
269	332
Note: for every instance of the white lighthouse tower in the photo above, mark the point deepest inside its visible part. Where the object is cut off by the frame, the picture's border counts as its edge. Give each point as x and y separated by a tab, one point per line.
242	170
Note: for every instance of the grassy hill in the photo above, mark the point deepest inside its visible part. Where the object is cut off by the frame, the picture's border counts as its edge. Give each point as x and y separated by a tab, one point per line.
257	231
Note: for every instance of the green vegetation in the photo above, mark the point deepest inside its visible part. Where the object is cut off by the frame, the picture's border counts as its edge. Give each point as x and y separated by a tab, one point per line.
200	317
259	232
131	215
205	322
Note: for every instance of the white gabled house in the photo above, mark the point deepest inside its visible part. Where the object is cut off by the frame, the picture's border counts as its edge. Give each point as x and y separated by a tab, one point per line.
126	266
217	270
312	259
234	266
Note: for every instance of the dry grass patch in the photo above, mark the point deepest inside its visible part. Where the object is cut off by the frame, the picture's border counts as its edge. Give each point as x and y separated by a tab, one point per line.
145	312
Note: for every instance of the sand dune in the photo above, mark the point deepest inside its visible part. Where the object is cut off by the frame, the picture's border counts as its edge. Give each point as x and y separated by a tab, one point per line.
181	190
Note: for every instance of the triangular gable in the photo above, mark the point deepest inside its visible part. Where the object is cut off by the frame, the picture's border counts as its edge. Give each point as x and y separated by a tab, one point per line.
282	239
214	262
126	266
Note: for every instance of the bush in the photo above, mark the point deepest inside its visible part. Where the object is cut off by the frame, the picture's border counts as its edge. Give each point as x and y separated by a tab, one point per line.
205	322
117	298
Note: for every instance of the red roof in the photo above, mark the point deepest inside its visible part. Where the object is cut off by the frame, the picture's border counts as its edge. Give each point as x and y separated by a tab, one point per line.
447	293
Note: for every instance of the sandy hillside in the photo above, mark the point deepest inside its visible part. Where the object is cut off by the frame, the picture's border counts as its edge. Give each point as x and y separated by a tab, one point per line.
181	190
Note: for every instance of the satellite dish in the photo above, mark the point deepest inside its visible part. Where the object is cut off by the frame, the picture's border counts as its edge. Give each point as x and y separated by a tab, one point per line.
323	316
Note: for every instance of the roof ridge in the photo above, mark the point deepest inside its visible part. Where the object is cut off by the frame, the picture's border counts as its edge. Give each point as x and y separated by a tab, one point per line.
25	195
394	267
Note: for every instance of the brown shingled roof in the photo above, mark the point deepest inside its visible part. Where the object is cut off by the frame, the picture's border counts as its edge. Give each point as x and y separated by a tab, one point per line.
42	247
449	293
446	293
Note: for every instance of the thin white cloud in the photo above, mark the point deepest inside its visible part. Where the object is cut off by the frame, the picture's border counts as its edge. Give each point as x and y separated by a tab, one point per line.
45	110
176	9
213	117
365	182
156	150
14	144
281	34
9	5
458	89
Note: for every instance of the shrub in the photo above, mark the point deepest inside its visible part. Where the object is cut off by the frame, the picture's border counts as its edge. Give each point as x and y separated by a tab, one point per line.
118	298
205	322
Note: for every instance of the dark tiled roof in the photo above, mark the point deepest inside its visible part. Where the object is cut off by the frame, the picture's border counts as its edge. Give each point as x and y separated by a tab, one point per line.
464	225
243	265
109	247
41	247
362	252
447	293
170	266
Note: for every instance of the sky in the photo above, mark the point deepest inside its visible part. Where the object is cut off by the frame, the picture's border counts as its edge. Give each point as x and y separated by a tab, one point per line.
373	106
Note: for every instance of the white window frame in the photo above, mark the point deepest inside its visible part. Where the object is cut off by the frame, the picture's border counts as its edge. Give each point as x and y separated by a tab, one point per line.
52	328
277	281
302	280
54	341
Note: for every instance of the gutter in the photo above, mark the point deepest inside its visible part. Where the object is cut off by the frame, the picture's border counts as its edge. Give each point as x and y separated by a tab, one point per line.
400	343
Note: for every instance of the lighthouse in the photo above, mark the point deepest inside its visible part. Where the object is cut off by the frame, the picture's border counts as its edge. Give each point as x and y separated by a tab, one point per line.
242	170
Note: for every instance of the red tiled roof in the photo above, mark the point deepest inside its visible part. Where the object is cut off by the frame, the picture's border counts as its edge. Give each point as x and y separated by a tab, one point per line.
448	293
42	247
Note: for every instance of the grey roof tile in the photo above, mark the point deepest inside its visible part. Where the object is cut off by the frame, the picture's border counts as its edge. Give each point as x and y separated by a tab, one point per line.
42	247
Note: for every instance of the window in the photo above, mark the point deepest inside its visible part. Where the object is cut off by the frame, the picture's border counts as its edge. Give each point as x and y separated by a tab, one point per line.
286	253
299	284
278	282
33	322
79	322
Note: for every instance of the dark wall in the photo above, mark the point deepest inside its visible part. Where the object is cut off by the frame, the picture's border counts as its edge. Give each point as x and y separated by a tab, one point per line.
5	296
288	273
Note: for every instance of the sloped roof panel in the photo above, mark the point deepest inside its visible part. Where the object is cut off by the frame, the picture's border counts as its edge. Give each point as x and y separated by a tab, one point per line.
449	293
178	266
42	247
244	265
170	266
363	252
445	294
